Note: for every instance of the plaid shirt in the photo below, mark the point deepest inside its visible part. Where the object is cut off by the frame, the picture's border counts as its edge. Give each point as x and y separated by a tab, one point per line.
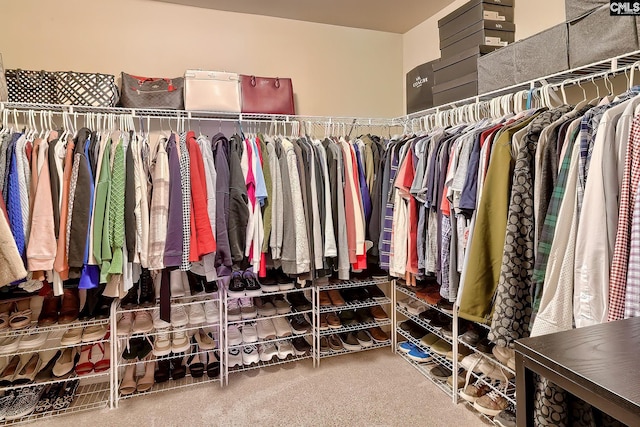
632	298
630	181
548	231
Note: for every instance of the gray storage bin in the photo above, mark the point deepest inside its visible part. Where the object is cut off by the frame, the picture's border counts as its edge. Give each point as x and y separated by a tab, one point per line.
578	8
598	36
456	66
497	70
542	54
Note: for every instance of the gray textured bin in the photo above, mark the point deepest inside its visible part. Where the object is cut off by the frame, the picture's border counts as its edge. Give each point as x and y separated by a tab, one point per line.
497	69
542	54
577	8
598	36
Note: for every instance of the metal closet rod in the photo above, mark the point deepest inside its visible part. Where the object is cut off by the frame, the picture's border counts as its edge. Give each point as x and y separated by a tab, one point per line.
198	115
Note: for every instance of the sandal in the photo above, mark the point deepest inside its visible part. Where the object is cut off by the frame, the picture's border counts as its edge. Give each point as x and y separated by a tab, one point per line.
128	384
178	370
196	367
84	365
146	381
213	365
105	363
162	374
20	319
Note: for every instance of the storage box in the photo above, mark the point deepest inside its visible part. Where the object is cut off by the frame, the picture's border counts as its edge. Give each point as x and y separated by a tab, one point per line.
578	8
474	11
456	66
598	36
482	37
419	87
447	31
542	54
496	29
497	70
455	90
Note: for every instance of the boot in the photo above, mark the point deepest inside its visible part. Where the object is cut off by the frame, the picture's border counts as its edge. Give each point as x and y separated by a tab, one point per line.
130	300
175	280
70	306
147	290
90	304
196	283
50	310
103	309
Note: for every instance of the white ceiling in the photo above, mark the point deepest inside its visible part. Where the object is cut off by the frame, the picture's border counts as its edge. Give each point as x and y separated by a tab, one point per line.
395	16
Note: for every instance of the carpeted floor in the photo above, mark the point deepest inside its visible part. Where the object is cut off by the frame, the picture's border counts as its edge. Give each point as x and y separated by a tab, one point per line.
374	388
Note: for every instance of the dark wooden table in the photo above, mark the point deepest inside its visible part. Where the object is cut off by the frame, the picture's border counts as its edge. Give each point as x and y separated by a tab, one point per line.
599	364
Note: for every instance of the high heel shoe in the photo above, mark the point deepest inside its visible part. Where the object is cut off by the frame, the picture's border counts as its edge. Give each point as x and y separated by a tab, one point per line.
49	359
178	370
213	365
145	382
84	365
65	362
196	367
28	370
105	363
128	384
163	372
9	372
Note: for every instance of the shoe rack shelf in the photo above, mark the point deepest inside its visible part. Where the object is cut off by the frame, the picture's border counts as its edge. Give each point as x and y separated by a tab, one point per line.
187	381
53	344
273	362
309	315
86	398
35	329
424	369
385	301
100	377
119	343
424	324
354	328
439	359
408	292
374	346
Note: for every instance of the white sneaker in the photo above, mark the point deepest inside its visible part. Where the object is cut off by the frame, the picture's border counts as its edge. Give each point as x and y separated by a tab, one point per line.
247	309
179	316
250	355
234	337
179	341
283	328
249	333
212	312
233	310
267	351
404	303
196	314
285	348
266	330
158	323
235	358
162	343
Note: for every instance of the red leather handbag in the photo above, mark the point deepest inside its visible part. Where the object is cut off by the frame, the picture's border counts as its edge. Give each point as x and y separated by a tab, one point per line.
266	95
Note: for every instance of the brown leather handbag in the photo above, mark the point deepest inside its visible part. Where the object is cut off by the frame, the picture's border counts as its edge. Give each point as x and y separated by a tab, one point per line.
266	95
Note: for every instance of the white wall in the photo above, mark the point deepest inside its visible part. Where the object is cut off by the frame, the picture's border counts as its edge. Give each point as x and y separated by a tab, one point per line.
335	70
421	43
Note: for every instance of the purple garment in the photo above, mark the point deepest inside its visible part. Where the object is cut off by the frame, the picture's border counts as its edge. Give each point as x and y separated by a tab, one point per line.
173	246
221	158
90	277
364	190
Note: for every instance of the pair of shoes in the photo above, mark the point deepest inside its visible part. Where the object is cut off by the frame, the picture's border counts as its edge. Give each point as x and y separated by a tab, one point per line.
244	284
415	330
57	396
491	404
298	301
130	384
21	369
331	298
299	324
505	355
414	352
134	322
170	341
142	294
76	336
86	366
